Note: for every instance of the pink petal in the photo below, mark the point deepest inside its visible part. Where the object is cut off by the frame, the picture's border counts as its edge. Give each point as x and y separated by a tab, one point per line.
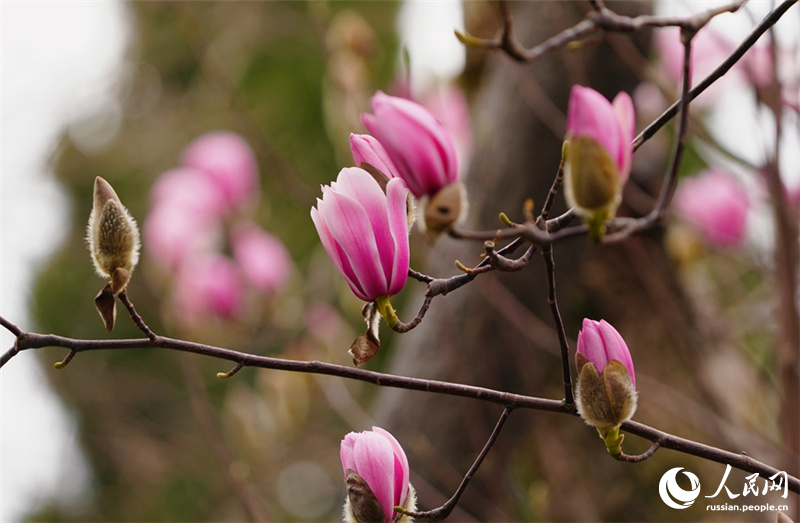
396	195
349	225
590	114
616	348
366	148
590	344
374	458
402	470
623	107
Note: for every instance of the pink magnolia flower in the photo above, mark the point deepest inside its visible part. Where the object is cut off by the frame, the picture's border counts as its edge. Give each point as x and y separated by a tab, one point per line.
229	162
367	149
599	342
263	259
418	144
377	457
365	232
208	285
715	204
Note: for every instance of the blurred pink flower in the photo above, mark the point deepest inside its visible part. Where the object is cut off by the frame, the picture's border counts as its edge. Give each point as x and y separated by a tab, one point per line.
229	162
262	257
709	49
599	342
377	457
172	233
418	144
208	285
188	188
715	204
367	149
365	232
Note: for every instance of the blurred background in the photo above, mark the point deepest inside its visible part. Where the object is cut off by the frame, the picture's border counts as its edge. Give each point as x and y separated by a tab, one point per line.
124	91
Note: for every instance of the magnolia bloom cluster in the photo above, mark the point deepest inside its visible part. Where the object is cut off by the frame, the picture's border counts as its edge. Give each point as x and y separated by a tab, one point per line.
363	218
597	154
195	208
376	474
606	390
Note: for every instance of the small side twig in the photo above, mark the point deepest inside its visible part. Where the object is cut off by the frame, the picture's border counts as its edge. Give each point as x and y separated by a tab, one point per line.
640	457
552	301
440	513
137	320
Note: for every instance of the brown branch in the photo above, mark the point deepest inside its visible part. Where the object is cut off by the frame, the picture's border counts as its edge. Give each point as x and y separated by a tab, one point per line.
28	341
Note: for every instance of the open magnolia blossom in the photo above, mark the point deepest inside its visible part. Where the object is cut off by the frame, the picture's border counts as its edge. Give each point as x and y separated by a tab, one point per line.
597	154
606	391
423	154
365	232
376	474
114	243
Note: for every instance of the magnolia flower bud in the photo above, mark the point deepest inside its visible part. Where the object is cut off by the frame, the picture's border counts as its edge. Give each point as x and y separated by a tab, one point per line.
112	234
597	154
606	391
376	474
114	243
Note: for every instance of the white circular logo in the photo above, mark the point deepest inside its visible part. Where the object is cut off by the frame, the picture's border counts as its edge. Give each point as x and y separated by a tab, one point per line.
672	494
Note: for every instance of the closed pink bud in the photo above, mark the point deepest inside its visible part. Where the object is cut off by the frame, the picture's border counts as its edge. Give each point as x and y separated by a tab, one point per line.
610	124
606	390
715	204
227	159
420	147
365	232
597	154
262	257
377	475
208	285
599	342
368	150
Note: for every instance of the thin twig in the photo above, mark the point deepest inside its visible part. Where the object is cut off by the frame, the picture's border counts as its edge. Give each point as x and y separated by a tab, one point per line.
552	301
440	513
137	319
